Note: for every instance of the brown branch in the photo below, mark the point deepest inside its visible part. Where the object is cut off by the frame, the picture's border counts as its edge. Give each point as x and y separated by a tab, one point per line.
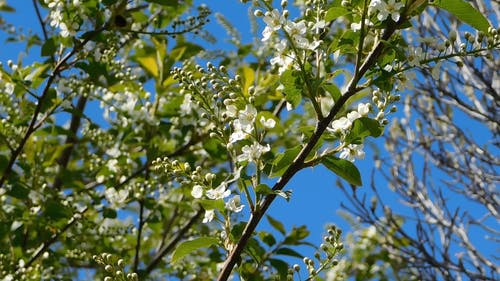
298	162
139	235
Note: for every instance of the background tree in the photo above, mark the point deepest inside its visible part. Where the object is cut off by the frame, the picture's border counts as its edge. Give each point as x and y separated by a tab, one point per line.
123	158
441	159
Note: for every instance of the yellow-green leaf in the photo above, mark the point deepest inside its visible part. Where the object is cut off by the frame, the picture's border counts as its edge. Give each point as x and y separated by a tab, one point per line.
149	63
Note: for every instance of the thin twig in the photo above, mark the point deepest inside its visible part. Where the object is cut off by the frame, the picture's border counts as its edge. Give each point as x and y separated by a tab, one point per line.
173	242
139	235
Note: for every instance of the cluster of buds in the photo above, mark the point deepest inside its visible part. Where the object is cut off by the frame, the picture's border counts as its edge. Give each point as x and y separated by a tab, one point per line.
331	247
384	102
114	268
183	173
208	88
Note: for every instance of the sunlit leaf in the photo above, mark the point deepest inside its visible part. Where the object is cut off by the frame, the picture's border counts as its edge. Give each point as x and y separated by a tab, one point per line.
187	247
292	87
363	127
149	63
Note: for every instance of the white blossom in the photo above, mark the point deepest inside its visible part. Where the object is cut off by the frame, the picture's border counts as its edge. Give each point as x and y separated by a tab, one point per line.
363	109
353	115
340	125
116	198
436	71
187	105
244	125
383	9
9	88
352	151
209	216
269	123
252	153
219	192
231	110
197	191
415	57
234	204
274	20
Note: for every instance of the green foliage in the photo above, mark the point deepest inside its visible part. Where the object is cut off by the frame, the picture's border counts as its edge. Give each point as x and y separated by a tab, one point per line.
464	12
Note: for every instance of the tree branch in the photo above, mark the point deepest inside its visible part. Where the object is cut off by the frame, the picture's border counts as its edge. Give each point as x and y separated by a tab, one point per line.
173	242
298	162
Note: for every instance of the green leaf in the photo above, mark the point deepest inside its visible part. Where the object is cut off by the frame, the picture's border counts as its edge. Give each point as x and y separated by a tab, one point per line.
4	161
464	12
215	149
284	160
263	189
48	101
212	204
363	127
18	191
255	250
149	64
343	168
164	2
289	252
335	12
55	210
292	90
109	213
187	247
333	90
296	236
267	238
48	48
281	267
248	76
6	8
276	224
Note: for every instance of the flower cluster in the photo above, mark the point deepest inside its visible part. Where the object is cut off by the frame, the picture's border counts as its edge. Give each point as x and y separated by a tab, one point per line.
59	11
385	9
202	186
297	36
342	126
